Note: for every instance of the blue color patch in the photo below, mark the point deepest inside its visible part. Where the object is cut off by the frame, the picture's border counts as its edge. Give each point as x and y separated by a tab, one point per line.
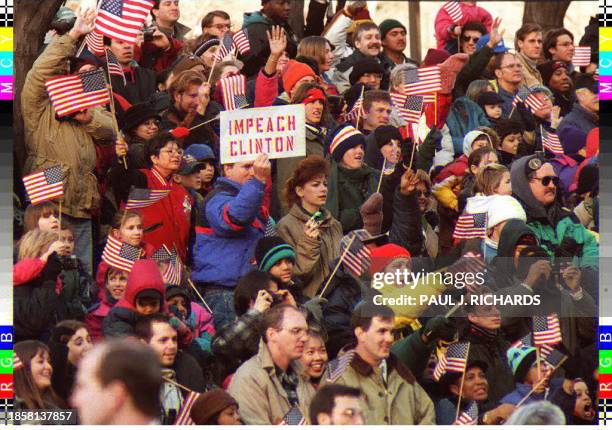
6	337
604	337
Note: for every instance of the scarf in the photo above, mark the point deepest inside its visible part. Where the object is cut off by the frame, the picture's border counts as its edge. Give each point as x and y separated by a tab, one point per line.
486	335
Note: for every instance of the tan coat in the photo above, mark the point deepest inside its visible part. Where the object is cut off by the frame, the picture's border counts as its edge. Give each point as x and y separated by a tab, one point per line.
260	394
531	75
401	401
50	142
313	255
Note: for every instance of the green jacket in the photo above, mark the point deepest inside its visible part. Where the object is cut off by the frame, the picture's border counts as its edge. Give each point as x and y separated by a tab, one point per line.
347	190
69	144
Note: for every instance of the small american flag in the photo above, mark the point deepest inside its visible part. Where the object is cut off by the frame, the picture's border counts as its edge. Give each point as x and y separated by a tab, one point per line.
162	254
234	92
546	330
516	100
554	357
184	416
471	226
174	271
454	11
582	56
533	103
356	111
422	81
95	42
241	42
293	418
120	255
114	68
143	197
469	417
226	47
357	258
74	93
45	185
271	227
551	141
525	341
454	359
337	366
122	19
408	107
469	262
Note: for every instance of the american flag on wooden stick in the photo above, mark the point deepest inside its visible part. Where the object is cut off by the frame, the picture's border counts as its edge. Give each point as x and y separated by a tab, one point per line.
174	271
226	47
293	418
184	416
45	185
422	81
119	254
454	11
355	112
533	103
454	359
233	89
74	93
516	100
162	254
550	141
471	226
358	257
241	42
114	68
582	56
409	108
143	197
546	330
469	416
554	357
122	19
95	42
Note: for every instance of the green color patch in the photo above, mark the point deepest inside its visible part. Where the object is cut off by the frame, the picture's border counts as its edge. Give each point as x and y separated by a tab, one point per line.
6	362
605	362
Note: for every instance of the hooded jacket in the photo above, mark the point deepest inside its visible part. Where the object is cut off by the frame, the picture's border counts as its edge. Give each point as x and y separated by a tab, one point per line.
464	116
580	118
96	314
121	319
256	24
503	262
313	256
554	223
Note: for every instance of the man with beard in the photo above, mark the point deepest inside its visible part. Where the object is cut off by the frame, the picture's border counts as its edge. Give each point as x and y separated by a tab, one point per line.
271	383
393	36
392	394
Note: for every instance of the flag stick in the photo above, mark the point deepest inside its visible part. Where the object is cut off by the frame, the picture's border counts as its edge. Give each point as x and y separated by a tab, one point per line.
331	276
80	50
538	362
382	173
467	354
540	382
436	109
541	137
199	295
59	231
112	107
182	387
359	110
212	68
511	112
414	145
208	121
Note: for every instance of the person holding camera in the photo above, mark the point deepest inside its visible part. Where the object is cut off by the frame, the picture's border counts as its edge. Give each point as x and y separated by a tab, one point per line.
159	50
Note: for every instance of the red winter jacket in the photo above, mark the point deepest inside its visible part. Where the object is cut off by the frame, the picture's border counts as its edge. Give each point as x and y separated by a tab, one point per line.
470	13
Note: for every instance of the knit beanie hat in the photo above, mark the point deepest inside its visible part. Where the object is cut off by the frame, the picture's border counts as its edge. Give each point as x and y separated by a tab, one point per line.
187	63
384	255
372	213
294	72
343	138
503	208
270	250
435	56
209	404
138	114
489	98
357	260
572	139
547	69
205	46
366	65
389	24
520	360
504	127
385	133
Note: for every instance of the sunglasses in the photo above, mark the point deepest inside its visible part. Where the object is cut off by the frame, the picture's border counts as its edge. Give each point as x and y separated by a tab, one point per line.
468	38
546	180
424	193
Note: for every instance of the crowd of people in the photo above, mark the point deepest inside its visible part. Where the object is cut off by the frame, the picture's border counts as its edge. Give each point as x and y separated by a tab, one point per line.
251	298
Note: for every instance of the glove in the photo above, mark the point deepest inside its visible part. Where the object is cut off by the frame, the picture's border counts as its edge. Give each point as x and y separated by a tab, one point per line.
314	307
371	213
52	269
439	328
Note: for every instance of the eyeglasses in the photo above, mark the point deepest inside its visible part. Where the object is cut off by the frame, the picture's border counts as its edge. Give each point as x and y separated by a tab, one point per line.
468	38
424	193
296	331
151	122
172	151
512	66
546	180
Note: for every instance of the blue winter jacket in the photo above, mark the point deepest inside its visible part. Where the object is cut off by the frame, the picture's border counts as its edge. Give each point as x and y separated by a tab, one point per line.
521	391
230	224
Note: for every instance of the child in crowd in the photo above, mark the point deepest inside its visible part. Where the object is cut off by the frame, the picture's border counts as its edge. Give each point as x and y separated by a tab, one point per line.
493	179
491	104
114	289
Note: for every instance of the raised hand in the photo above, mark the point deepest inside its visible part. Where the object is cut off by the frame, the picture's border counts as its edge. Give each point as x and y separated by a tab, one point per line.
408	182
278	41
262	168
84	23
495	34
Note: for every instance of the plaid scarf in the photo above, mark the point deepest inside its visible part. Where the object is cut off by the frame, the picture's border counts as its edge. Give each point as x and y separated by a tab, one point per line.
289	380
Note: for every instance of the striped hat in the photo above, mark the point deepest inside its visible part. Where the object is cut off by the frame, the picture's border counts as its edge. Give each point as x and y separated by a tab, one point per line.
343	138
270	250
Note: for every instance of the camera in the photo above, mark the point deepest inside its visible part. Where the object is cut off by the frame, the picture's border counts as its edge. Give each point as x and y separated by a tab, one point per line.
148	34
69	262
277	299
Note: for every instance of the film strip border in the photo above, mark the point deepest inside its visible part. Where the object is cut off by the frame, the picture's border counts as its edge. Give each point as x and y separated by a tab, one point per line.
604	406
605	13
6	373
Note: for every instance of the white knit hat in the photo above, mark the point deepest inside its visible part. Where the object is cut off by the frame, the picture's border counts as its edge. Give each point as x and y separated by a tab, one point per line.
502	208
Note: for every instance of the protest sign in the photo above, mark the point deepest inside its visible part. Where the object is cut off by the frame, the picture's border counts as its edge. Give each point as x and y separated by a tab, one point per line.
279	131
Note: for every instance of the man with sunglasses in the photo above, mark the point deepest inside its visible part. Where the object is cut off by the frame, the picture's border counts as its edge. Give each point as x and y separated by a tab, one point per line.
470	35
447	30
534	184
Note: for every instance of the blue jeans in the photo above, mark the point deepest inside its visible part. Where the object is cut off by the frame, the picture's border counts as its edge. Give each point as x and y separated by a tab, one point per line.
221	302
83	240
